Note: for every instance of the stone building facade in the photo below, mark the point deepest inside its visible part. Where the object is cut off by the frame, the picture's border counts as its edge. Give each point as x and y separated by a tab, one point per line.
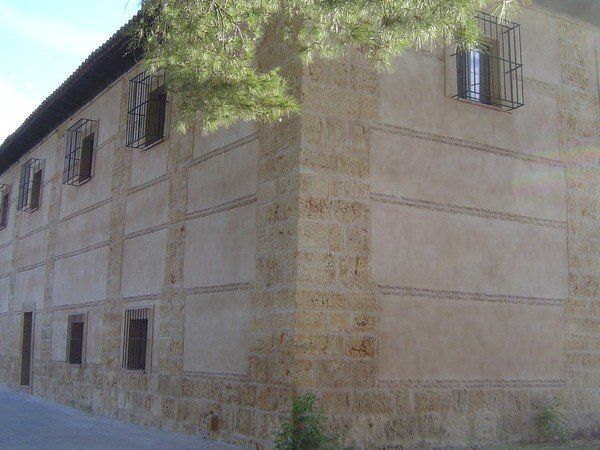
429	267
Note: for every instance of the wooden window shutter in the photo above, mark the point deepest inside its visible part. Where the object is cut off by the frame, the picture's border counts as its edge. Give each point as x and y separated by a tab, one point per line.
36	189
4	206
87	150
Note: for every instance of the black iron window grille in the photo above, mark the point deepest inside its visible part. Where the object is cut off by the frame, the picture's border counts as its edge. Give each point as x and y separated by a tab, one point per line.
492	74
4	205
30	185
81	144
135	348
75	338
147	111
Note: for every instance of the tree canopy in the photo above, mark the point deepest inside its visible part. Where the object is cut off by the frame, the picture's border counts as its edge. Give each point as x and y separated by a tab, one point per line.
209	48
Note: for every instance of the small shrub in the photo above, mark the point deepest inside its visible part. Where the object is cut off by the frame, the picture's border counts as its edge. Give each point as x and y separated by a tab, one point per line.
304	428
553	423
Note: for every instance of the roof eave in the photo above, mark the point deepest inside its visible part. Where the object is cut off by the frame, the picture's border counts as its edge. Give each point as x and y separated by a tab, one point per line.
113	58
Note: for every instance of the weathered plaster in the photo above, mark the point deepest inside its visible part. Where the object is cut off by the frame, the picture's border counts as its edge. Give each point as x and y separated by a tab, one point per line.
345	251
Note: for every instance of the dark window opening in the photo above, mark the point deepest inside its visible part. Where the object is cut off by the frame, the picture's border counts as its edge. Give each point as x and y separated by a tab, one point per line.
30	185
475	75
75	339
26	348
492	74
81	139
155	119
4	205
136	339
36	189
147	111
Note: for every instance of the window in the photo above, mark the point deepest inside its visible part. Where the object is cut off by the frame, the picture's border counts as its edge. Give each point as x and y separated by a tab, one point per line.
475	75
30	185
4	205
136	338
492	74
75	338
147	111
81	140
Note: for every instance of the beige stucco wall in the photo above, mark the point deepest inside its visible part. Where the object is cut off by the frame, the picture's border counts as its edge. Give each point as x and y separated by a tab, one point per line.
228	258
470	202
83	231
414	247
81	278
433	340
29	287
144	264
6	258
220	249
4	294
216	332
398	252
419	167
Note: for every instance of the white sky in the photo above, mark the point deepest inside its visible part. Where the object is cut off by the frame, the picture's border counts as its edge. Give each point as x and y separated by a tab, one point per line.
42	42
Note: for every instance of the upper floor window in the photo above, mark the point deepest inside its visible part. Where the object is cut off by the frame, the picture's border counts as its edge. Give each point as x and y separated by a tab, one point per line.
4	204
492	74
30	185
81	144
147	111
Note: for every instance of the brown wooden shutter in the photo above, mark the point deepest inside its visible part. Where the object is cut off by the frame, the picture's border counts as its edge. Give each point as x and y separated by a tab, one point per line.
36	189
24	186
87	150
4	210
156	115
461	74
485	74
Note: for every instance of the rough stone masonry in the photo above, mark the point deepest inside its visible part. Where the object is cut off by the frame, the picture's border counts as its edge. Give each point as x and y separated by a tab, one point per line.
428	266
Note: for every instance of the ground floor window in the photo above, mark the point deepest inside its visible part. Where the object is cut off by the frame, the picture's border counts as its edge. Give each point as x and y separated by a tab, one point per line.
75	338
135	339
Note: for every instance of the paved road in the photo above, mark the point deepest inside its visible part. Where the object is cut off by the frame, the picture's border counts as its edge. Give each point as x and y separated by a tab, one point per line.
28	422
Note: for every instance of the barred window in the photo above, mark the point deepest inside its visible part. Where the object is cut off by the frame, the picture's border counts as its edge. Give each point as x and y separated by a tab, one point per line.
147	111
492	74
135	339
4	204
81	141
30	185
75	338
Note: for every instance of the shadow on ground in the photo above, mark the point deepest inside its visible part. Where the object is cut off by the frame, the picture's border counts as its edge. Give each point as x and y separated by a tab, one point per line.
28	422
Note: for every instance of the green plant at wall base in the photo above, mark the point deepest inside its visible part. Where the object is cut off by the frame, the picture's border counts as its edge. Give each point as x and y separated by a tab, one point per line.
304	428
553	423
211	48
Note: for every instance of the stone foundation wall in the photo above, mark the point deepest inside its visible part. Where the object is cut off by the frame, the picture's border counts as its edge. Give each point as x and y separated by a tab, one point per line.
321	292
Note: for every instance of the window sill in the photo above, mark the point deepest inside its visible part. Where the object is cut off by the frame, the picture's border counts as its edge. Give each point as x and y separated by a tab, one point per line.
30	211
78	184
139	371
482	105
154	144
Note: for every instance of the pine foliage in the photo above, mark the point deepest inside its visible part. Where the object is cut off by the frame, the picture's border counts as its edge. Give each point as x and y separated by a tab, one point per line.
210	47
